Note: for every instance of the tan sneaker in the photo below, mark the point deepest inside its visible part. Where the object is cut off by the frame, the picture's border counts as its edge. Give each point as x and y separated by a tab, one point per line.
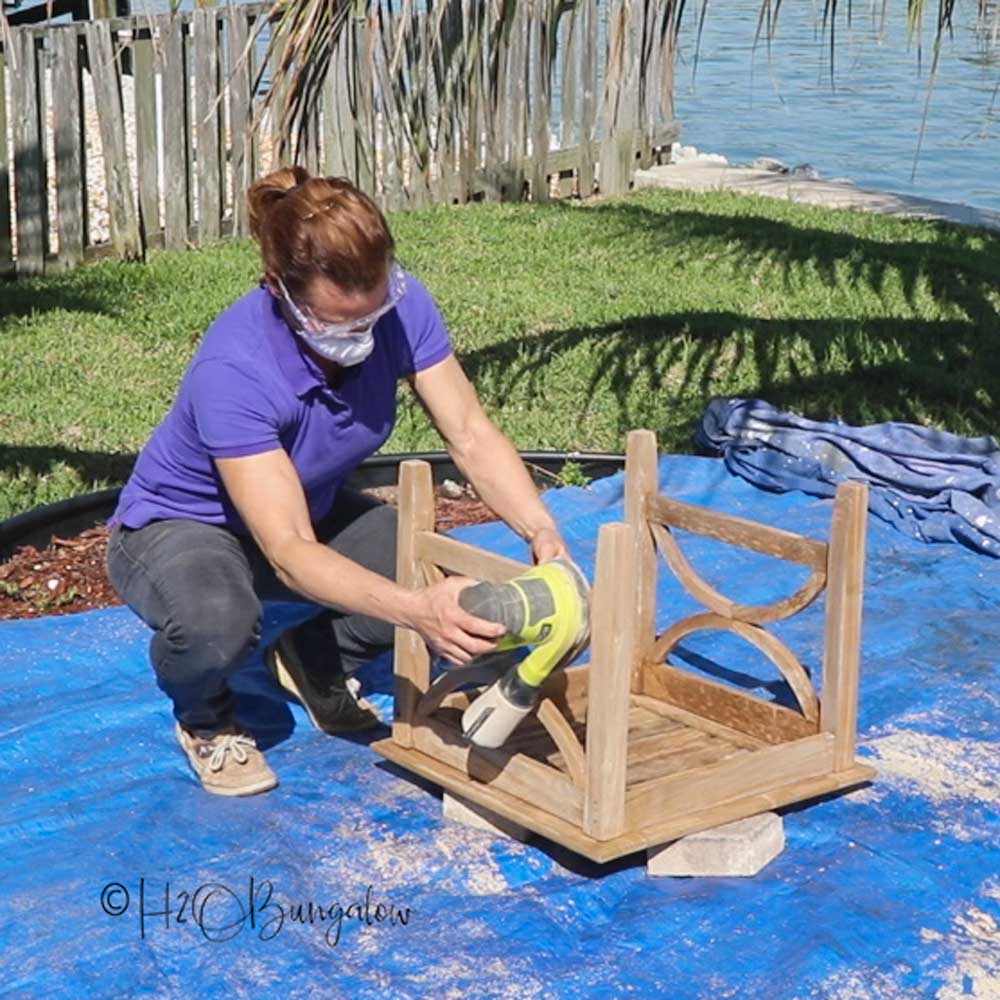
228	762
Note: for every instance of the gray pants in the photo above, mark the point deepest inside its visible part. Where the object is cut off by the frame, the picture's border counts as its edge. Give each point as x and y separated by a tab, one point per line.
200	587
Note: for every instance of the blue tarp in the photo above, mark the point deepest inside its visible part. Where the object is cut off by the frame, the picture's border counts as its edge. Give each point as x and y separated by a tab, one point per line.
931	484
888	891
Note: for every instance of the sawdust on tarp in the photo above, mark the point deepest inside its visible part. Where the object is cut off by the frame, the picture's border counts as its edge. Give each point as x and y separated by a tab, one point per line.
974	944
937	767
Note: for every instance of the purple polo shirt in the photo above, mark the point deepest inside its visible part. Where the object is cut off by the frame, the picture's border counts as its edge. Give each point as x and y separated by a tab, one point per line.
252	387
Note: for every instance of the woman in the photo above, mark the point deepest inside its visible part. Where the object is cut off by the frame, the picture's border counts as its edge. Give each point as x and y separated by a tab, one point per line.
238	495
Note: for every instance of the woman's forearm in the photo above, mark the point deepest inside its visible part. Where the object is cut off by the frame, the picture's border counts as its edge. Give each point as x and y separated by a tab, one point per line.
326	577
491	464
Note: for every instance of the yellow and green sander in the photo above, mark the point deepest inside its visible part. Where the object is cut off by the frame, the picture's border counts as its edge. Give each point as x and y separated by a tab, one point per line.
548	609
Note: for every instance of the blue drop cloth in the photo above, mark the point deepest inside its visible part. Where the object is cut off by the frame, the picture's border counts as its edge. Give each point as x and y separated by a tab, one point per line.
930	484
889	891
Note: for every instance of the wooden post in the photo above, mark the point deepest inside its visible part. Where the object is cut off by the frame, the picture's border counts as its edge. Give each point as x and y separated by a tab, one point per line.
364	108
29	158
842	641
67	145
204	29
176	131
588	107
6	241
641	482
612	643
146	146
541	102
240	119
568	95
413	662
520	55
107	95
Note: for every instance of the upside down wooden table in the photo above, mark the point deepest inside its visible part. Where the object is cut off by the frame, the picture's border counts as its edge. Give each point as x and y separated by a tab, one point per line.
629	751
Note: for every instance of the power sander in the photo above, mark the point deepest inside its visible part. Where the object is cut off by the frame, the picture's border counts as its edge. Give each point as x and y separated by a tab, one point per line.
547	608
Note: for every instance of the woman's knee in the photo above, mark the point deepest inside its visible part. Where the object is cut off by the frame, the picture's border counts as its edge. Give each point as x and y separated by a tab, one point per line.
211	636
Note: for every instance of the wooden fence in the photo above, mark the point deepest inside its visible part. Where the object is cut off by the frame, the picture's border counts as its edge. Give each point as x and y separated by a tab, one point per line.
121	134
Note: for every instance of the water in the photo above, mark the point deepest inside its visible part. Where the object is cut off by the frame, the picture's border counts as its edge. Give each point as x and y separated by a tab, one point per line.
867	126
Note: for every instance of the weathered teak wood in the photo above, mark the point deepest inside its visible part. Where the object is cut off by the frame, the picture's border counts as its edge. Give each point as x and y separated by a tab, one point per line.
641	482
684	717
565	739
467	560
842	640
739	531
750	774
763	720
770	645
612	626
413	665
628	751
509	772
703	591
532	813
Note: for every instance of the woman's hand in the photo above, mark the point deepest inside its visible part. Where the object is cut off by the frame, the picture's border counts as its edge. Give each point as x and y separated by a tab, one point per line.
548	544
448	628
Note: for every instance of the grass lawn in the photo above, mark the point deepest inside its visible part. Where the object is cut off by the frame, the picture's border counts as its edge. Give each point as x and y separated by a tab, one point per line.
576	322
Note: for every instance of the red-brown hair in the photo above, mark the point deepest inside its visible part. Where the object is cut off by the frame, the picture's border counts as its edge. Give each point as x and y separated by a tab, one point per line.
311	227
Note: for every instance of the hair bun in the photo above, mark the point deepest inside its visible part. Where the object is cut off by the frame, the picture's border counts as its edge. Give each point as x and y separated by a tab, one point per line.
269	190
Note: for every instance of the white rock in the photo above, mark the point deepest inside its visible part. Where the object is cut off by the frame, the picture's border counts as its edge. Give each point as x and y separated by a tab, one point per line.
806	170
768	163
741	848
690	154
451	489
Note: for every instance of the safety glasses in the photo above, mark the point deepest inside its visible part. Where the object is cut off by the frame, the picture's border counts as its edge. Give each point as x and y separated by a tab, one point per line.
305	318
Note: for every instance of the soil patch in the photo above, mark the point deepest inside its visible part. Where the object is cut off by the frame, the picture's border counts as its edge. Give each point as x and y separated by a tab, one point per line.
69	576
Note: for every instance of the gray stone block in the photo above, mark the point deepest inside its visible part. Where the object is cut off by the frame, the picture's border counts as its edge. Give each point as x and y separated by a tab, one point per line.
741	848
460	810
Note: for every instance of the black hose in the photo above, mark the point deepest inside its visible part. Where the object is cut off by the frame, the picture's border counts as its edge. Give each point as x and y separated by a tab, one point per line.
71	516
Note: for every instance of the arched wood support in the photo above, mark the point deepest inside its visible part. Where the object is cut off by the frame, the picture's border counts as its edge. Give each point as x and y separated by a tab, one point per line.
771	646
565	739
704	592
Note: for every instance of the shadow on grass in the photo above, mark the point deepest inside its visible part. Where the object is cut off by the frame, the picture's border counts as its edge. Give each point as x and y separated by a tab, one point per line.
858	367
958	267
945	369
863	369
92	466
90	288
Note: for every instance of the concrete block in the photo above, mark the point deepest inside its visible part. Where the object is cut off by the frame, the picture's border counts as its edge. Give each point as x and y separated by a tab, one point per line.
460	810
741	848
